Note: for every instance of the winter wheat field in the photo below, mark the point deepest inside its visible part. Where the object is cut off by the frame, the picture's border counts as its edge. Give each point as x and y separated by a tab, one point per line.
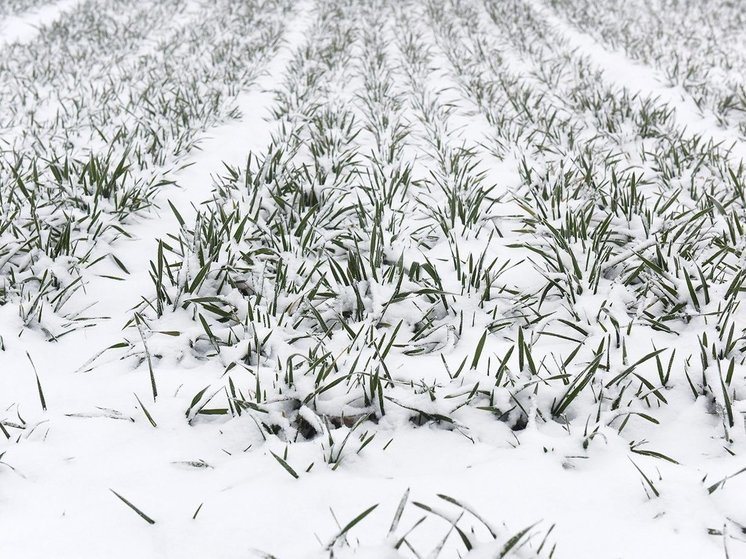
373	279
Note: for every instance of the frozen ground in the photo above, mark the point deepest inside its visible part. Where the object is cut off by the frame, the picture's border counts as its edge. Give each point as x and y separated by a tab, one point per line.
267	265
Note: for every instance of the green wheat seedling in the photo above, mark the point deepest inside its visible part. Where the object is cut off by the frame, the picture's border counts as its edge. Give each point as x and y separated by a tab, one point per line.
72	177
467	540
369	266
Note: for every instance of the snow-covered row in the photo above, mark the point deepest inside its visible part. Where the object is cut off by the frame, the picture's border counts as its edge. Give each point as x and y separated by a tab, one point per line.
451	269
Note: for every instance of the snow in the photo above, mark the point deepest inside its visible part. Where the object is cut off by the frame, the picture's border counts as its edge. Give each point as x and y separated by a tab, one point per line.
23	28
214	487
644	80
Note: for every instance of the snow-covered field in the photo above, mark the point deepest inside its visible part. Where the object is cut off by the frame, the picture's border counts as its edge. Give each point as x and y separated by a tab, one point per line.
373	279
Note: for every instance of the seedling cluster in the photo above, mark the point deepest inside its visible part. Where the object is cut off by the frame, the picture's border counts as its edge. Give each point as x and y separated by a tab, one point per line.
465	220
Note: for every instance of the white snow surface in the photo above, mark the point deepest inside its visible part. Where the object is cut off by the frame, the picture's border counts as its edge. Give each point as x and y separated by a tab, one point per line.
57	474
24	27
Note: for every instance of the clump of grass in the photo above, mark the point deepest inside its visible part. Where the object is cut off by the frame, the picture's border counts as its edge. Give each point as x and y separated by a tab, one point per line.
458	536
